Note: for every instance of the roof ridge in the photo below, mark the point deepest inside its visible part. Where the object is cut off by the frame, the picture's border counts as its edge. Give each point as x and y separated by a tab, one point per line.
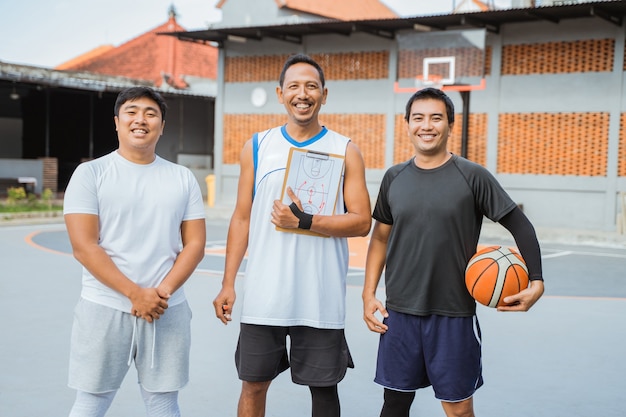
151	56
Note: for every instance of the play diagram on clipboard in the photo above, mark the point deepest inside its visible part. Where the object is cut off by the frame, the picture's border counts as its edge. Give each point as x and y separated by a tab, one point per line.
315	178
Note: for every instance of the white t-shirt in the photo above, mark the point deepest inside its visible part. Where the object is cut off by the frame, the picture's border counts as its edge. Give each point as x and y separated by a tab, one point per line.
140	210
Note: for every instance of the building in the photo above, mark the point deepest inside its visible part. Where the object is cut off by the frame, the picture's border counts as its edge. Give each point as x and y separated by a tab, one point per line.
549	122
238	13
52	119
170	65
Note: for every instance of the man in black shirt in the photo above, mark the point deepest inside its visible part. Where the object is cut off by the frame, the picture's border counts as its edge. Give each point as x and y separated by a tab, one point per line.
428	216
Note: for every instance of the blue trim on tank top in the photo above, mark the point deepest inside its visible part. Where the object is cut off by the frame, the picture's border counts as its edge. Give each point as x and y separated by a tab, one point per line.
255	160
308	142
283	129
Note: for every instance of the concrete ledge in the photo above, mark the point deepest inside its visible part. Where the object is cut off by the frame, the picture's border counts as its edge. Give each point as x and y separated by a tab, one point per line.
31	217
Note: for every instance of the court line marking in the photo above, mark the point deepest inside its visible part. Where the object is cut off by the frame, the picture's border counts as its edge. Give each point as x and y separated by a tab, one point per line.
29	241
586	297
219	273
573	252
557	255
600	254
218	248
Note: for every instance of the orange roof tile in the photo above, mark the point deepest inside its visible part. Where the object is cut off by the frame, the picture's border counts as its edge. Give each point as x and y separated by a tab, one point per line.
337	9
87	56
341	10
154	57
466	5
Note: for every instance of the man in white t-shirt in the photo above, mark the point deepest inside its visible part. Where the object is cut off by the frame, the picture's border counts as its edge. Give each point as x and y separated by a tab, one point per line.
136	224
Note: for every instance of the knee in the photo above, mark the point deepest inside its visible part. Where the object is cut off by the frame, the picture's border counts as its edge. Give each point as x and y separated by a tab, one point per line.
460	409
161	403
255	388
404	398
324	394
397	403
461	413
325	402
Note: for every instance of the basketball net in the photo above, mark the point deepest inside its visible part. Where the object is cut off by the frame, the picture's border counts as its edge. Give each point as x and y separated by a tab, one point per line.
434	81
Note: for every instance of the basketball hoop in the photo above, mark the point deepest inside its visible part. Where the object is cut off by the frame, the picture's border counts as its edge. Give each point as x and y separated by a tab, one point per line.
449	60
434	81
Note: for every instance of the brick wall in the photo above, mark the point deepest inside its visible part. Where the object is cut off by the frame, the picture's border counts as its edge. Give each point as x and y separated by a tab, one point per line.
593	55
238	128
536	143
354	65
469	61
553	143
50	174
559	143
476	143
340	66
621	162
242	69
367	131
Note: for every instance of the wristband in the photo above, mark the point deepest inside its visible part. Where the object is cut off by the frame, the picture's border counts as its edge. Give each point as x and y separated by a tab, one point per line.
305	219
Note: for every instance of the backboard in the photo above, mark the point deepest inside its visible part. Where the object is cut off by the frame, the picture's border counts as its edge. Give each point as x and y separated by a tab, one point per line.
450	60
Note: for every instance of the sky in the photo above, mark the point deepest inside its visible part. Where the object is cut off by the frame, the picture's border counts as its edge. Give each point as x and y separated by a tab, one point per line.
46	33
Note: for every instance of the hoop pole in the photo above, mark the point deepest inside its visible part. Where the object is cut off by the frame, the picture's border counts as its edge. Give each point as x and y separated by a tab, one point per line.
465	96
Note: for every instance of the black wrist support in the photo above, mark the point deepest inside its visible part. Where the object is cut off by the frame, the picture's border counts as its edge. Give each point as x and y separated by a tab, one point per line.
305	219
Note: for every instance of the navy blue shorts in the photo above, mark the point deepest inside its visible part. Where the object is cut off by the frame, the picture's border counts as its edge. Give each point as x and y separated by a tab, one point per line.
420	351
317	357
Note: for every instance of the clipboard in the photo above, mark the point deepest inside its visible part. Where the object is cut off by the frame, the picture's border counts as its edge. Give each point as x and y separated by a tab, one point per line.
315	178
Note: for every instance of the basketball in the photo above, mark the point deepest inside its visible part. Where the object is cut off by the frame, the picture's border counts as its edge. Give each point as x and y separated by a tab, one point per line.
494	273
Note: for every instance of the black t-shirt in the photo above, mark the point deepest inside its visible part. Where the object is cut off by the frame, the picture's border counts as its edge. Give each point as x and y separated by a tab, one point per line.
436	216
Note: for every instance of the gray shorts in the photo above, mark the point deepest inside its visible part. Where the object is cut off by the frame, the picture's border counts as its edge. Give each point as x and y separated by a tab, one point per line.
105	341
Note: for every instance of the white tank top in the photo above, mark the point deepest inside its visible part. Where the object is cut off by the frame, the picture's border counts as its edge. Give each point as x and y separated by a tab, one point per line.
292	279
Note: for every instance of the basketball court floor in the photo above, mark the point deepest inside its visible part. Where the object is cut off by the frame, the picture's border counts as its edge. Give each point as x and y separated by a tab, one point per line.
563	358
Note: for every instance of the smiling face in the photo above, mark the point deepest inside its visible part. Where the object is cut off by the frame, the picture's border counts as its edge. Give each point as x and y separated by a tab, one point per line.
428	128
302	94
139	126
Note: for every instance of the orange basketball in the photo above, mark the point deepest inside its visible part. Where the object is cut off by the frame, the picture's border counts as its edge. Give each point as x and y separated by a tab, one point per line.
494	273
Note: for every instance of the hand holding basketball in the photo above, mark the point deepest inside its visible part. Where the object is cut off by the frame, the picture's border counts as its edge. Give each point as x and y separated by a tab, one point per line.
524	300
495	273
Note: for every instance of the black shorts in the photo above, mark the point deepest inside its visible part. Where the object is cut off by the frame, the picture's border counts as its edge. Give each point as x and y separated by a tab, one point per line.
317	357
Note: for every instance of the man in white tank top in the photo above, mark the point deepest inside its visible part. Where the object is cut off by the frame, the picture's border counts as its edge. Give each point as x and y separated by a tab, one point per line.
295	280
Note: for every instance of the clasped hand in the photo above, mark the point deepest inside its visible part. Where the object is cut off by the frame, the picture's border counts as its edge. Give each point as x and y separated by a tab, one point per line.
149	303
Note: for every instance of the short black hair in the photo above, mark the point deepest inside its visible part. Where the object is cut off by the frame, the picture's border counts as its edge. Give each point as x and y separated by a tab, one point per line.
432	94
297	59
133	93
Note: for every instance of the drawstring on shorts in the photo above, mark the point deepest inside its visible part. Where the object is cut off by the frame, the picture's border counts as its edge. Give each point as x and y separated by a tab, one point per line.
153	342
132	342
